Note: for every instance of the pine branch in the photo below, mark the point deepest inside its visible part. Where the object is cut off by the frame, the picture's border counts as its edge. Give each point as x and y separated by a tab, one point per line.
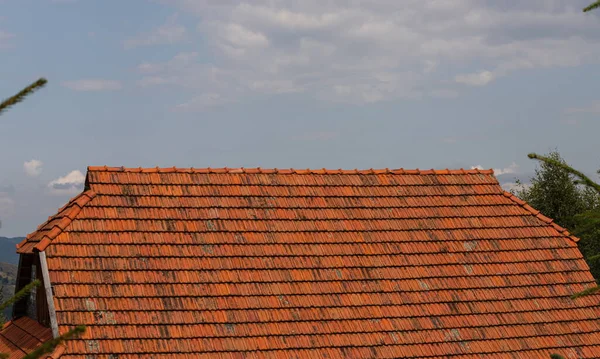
593	258
586	292
20	294
11	101
583	179
50	345
592	6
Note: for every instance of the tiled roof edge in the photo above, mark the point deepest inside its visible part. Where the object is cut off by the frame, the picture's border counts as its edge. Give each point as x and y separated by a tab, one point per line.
6	325
540	216
57	353
67	215
259	170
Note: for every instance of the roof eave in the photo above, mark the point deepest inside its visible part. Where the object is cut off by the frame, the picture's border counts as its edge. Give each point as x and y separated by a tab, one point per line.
66	214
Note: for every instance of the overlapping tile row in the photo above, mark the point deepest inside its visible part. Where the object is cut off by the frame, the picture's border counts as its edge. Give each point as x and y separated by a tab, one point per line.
252	263
21	336
49	230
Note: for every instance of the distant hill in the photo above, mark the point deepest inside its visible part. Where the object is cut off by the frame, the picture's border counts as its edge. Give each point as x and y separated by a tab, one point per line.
9	260
8	276
8	251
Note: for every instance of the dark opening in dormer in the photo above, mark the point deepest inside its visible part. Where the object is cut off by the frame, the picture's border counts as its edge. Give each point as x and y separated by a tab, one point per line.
33	305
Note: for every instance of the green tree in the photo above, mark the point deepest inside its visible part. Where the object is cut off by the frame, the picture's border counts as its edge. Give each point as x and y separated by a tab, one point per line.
50	345
556	194
589	222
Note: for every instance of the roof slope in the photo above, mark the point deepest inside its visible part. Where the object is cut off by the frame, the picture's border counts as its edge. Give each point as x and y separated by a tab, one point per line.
21	336
233	263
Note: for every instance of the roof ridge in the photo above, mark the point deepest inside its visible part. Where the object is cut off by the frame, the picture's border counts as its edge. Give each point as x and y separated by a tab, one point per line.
540	216
259	170
66	214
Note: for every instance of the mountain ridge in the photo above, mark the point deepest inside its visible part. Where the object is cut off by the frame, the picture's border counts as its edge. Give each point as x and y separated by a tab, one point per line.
8	249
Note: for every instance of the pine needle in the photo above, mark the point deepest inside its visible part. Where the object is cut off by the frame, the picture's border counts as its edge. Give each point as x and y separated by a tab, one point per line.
20	294
583	179
50	345
586	292
11	101
592	6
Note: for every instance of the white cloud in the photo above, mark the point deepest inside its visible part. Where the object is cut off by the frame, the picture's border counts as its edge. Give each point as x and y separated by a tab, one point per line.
70	184
513	186
480	78
593	108
380	50
241	37
5	38
33	168
287	19
93	85
170	32
443	93
202	101
7	205
512	168
429	66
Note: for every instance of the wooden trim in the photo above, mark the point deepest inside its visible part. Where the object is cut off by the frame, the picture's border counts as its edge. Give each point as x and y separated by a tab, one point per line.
49	296
15	308
41	303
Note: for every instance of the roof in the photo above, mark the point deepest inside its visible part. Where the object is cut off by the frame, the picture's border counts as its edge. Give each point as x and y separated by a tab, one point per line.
255	263
21	336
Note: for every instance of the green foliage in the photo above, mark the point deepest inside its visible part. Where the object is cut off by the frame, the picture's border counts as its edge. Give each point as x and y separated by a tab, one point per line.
587	229
587	223
592	6
20	294
555	193
571	199
11	101
50	345
556	356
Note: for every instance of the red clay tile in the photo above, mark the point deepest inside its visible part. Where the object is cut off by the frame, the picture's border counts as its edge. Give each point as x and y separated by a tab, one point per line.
21	336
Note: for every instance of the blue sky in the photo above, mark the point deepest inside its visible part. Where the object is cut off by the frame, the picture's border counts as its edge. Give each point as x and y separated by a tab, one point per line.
281	83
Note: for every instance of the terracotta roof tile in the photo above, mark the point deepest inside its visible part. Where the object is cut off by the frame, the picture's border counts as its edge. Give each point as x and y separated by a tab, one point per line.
55	225
21	336
279	263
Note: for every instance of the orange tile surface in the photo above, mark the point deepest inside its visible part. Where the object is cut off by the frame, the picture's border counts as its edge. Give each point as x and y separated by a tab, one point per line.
256	263
21	336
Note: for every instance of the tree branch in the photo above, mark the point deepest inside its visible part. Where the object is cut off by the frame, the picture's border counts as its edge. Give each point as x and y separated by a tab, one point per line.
20	294
592	6
588	291
50	345
11	101
583	179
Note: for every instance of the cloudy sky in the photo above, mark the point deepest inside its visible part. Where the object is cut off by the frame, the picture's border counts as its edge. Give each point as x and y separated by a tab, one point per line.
282	83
